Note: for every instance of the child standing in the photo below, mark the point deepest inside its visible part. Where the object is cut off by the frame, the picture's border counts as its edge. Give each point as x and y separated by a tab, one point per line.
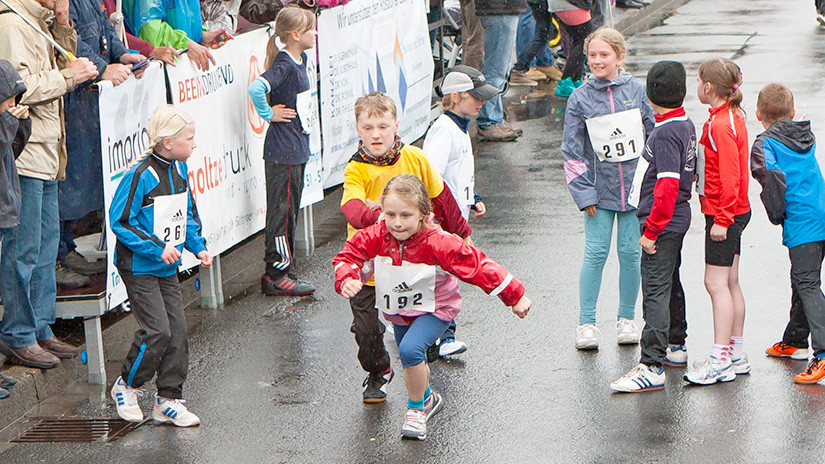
722	176
450	150
664	213
154	218
414	263
783	160
284	86
605	125
381	156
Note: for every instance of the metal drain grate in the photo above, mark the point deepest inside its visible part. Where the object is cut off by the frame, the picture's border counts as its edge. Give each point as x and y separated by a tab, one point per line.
69	430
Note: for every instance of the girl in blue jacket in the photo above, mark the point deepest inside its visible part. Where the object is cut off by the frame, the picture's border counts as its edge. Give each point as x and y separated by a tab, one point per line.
605	126
154	218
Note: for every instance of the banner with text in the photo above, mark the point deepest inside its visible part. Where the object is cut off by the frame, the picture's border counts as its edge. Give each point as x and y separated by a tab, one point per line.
365	46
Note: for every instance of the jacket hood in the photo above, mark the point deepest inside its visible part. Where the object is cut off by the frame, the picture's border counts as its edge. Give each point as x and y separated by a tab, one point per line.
11	84
601	84
796	135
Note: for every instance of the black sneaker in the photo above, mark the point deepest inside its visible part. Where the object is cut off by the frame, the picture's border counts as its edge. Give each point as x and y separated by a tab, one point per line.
68	279
432	353
285	286
375	386
7	382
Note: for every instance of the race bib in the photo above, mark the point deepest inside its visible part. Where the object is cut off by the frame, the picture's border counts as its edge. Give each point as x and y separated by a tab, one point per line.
466	181
170	218
617	137
409	287
700	171
305	104
636	186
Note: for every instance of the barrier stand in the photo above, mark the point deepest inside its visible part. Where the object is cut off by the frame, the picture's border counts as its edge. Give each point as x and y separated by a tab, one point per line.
212	285
305	233
95	360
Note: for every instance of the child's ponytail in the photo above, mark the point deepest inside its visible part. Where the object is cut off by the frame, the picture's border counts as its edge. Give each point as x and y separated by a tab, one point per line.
166	121
290	19
726	78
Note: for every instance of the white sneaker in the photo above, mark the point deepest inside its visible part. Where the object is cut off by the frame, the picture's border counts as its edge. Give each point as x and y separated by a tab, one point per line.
711	370
450	347
415	425
126	401
741	365
640	378
821	20
676	355
174	412
627	332
433	405
587	337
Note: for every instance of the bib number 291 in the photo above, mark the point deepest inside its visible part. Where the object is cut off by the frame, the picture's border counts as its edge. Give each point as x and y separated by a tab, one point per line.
620	150
402	301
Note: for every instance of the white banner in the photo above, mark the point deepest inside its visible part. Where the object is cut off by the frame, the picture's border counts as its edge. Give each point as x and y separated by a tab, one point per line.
366	46
124	113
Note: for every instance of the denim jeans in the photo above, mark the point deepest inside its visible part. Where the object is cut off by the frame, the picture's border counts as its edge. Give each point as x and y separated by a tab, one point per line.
499	44
532	46
27	265
598	231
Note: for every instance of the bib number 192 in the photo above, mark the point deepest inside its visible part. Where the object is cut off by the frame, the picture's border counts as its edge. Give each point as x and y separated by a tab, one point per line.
620	149
402	301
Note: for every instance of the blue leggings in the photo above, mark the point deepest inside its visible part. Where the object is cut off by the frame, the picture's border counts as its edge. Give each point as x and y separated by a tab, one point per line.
598	231
414	339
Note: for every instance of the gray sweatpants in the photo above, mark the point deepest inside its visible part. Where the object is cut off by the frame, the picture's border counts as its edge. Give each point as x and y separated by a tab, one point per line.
161	344
806	283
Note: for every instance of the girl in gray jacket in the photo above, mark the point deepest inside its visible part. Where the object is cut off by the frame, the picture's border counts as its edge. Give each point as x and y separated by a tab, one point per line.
605	126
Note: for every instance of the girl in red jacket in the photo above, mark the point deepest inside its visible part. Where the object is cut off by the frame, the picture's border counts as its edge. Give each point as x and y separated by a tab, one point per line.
414	262
723	192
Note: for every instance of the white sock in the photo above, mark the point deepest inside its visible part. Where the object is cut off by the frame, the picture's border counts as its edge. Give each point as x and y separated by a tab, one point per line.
721	352
737	347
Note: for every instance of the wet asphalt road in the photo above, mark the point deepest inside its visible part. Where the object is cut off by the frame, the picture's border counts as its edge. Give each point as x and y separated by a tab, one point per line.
277	380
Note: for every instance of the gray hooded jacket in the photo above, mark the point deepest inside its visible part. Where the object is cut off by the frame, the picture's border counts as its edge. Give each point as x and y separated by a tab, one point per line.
14	133
590	180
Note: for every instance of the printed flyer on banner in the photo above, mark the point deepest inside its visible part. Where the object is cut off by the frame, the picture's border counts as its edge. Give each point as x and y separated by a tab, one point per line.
124	113
367	46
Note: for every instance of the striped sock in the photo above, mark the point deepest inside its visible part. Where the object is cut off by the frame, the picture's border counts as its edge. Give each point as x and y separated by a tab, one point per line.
737	345
721	352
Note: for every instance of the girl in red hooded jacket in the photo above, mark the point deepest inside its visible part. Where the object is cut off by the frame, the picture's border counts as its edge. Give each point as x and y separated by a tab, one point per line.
414	264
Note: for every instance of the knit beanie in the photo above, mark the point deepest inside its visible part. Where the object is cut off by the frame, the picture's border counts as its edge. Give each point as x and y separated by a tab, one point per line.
666	84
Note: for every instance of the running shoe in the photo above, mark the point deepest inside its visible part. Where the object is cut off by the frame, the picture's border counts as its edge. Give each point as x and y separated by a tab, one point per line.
535	74
375	386
174	412
587	337
814	372
285	286
676	356
433	405
627	332
415	425
519	79
711	370
783	350
820	19
741	365
7	382
451	347
640	378
126	401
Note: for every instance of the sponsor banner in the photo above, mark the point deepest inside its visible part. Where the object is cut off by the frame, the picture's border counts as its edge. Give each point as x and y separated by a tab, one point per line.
124	113
365	46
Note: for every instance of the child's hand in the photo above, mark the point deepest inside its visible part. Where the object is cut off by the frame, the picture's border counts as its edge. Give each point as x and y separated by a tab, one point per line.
480	209
351	287
522	307
170	255
206	259
590	210
19	111
280	113
718	233
468	241
648	245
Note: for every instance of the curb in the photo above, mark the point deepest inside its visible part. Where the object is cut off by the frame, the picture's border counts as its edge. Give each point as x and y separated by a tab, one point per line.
632	22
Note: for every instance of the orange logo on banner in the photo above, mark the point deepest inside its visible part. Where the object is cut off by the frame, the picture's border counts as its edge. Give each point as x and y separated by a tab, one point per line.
257	124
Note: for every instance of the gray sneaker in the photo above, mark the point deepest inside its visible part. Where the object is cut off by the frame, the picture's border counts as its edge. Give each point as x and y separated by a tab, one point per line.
496	133
67	278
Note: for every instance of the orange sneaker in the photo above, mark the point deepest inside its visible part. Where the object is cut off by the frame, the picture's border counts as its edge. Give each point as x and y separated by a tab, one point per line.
814	372
783	350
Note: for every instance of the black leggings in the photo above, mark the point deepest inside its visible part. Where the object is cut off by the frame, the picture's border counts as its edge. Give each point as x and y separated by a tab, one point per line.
574	69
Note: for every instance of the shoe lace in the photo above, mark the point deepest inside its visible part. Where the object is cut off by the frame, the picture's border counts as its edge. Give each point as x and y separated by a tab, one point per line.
782	346
815	365
177	405
635	372
130	395
415	416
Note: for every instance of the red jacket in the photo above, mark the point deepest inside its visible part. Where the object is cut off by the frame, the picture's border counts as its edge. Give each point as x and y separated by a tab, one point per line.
434	247
725	140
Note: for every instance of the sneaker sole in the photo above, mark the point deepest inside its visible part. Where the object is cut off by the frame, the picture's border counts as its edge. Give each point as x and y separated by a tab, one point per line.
532	83
743	371
797	357
172	422
506	139
724	379
458	351
806	382
667	362
627	341
412	436
374	400
286	293
588	347
657	387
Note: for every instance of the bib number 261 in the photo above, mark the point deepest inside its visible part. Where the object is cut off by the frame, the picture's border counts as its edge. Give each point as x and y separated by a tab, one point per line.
402	301
620	150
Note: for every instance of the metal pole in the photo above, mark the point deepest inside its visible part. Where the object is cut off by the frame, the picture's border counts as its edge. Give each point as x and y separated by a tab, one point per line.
69	55
608	6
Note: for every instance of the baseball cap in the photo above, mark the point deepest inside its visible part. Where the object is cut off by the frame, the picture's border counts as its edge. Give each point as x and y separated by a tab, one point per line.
463	78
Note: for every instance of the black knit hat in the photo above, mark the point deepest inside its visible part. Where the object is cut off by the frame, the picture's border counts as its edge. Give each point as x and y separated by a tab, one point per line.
666	84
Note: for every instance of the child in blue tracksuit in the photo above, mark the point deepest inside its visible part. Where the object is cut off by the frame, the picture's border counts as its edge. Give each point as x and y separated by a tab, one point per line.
154	218
783	160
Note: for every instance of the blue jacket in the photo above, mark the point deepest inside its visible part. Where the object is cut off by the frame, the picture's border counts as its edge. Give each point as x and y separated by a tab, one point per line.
131	216
590	180
96	37
783	160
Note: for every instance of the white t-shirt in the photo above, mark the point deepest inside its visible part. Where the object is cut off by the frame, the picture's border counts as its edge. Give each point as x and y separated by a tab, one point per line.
451	153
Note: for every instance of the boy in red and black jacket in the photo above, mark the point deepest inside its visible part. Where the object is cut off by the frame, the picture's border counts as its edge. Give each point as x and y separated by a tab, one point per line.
664	214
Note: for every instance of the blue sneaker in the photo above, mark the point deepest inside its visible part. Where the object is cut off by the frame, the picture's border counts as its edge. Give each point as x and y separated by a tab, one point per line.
7	382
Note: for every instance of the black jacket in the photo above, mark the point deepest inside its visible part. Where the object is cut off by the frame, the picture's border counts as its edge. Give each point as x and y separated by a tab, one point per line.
500	7
14	133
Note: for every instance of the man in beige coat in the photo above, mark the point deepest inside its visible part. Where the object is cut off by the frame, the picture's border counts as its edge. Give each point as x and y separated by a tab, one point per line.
30	249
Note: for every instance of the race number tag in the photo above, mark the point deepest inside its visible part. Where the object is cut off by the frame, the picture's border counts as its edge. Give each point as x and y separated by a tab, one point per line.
304	106
466	181
700	171
170	218
409	287
617	137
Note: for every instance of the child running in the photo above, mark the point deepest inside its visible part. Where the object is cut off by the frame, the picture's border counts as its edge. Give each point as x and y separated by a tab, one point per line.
783	160
414	262
154	218
285	86
722	177
664	213
381	156
605	125
450	150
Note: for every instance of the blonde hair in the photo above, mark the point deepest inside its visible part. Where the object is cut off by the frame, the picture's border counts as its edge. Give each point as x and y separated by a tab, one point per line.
410	189
725	77
374	104
775	102
166	122
290	19
447	103
611	37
